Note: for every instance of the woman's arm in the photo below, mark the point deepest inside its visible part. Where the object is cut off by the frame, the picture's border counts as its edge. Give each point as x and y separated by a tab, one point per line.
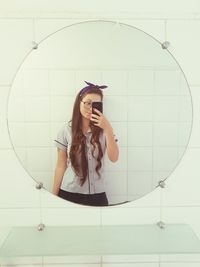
111	145
60	169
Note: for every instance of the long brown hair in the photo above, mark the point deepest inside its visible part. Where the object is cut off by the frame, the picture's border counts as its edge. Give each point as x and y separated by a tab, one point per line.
78	148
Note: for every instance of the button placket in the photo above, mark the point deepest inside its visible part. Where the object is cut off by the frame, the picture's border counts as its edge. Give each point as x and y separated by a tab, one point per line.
89	156
91	176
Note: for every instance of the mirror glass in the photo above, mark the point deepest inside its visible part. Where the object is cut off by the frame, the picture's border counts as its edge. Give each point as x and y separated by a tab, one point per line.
147	102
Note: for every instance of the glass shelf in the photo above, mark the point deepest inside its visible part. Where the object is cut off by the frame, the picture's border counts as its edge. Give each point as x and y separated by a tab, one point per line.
100	240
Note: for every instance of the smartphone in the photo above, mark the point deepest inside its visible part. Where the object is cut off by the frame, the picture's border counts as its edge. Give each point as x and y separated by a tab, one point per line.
98	106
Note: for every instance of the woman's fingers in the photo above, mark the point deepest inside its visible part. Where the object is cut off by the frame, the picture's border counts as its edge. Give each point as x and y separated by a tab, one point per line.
94	116
98	112
94	120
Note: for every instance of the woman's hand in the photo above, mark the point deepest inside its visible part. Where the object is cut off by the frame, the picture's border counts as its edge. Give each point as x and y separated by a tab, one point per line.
111	145
100	120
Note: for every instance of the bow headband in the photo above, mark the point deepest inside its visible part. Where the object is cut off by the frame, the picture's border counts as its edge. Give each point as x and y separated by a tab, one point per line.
91	86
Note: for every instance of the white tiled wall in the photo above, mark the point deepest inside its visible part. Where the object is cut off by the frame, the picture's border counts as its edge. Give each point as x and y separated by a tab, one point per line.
19	200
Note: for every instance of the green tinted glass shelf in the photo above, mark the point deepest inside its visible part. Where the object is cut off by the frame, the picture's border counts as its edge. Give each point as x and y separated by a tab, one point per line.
100	240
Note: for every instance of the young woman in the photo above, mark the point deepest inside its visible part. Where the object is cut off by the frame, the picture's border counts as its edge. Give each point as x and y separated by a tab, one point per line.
81	147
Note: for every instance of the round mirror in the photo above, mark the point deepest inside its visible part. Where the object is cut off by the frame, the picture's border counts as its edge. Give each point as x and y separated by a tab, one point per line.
147	104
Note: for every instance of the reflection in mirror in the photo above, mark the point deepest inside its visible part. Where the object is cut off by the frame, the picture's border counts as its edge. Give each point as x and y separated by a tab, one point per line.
147	103
82	145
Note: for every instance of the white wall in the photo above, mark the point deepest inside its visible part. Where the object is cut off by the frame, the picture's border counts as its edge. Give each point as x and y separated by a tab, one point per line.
174	21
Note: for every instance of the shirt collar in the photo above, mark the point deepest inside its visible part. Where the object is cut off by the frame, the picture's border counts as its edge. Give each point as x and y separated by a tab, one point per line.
88	131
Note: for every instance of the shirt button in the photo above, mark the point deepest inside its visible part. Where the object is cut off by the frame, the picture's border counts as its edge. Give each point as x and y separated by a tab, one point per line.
89	158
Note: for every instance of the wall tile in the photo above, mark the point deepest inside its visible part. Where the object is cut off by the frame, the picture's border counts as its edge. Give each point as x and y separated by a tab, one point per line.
17	36
140	82
89	216
19	190
155	28
130	265
194	140
182	187
4	137
184	46
20	217
45	27
62	82
122	215
180	264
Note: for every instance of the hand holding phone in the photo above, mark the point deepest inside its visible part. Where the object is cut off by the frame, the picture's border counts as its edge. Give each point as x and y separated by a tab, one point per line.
99	119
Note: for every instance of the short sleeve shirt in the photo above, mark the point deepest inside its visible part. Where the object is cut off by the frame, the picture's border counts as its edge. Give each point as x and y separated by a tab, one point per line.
71	182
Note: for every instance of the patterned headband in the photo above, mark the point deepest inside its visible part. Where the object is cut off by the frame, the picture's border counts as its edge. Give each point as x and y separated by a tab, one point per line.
91	86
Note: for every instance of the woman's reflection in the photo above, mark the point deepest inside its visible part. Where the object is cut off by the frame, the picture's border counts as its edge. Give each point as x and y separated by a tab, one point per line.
81	146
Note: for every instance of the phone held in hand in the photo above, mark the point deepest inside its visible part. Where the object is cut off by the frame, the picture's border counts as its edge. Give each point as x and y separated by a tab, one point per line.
98	106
